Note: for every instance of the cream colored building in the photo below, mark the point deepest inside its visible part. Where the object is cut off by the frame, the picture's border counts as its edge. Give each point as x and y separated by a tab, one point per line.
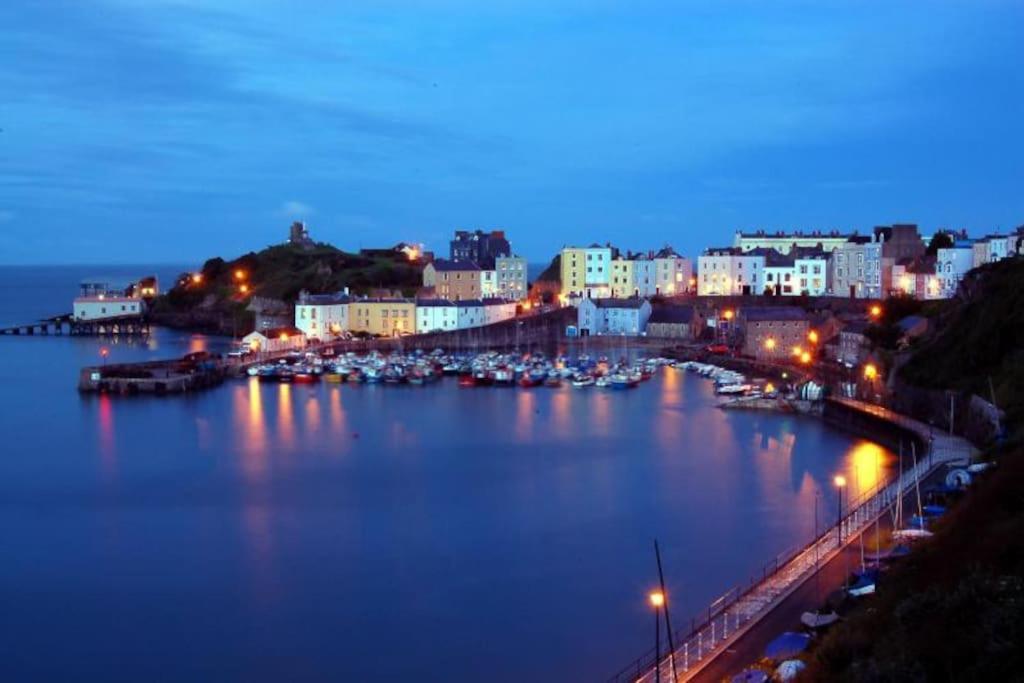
623	282
384	317
783	242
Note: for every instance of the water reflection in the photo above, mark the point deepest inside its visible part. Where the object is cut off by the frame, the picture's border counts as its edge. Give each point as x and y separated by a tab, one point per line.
107	440
285	417
864	466
337	416
526	409
249	413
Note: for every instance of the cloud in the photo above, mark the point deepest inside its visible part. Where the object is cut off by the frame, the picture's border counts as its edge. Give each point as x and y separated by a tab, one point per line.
295	209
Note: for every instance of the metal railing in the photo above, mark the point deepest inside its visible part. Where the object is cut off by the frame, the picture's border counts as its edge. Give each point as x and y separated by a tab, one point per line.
744	603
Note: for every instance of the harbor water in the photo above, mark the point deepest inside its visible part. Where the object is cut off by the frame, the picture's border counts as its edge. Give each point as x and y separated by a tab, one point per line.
330	532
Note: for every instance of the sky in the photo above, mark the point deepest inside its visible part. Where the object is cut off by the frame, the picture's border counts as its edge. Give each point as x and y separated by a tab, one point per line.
144	131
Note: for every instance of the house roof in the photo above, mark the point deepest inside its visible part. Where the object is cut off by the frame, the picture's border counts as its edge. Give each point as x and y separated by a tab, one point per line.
910	322
855	327
452	266
278	331
324	299
671	314
434	303
632	302
765	313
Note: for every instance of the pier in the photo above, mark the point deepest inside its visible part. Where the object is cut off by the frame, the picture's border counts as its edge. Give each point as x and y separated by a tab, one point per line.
193	372
66	324
727	620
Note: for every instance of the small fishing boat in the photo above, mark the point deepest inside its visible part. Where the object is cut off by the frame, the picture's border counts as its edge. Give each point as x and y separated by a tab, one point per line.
581	381
816	620
623	381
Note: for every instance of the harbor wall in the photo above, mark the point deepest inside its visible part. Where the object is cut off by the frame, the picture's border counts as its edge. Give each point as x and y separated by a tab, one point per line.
877	428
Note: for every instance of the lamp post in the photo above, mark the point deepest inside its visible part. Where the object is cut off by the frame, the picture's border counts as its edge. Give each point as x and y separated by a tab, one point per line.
657	599
840	482
104	352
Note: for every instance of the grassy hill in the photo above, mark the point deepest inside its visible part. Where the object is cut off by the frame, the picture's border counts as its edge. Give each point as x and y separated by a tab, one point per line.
216	298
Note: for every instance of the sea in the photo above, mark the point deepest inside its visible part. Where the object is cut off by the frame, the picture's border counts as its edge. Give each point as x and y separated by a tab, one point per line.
257	532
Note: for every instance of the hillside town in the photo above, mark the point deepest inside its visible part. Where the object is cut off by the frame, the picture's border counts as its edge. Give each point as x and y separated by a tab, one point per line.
762	297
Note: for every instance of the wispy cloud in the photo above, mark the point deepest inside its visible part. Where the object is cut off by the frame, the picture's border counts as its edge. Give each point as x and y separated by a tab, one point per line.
296	210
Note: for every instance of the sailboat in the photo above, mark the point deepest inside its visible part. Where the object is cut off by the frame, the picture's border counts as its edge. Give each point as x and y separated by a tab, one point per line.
919	532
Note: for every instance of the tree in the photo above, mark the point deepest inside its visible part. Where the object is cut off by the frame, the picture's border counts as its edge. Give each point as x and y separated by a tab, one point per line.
940	240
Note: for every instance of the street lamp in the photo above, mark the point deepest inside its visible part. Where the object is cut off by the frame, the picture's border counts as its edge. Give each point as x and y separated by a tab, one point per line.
812	336
769	344
239	274
840	482
657	599
875	311
870	372
104	352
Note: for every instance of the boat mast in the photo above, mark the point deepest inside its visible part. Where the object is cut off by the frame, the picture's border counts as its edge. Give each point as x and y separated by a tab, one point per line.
668	623
917	487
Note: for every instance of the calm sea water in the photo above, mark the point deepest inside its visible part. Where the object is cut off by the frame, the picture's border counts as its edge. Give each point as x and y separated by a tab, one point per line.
371	533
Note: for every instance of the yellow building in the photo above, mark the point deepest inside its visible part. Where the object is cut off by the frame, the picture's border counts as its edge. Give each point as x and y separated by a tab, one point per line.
586	272
623	278
384	317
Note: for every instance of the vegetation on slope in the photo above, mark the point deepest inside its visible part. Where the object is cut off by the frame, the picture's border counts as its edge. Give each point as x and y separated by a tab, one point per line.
553	273
954	609
217	299
979	338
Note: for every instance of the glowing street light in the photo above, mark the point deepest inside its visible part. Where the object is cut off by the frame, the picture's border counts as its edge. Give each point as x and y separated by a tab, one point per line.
104	352
797	351
243	288
870	371
657	600
812	336
239	274
728	314
805	357
769	344
197	278
875	311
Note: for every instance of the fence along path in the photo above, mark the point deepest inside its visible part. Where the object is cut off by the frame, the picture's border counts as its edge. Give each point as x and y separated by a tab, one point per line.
728	617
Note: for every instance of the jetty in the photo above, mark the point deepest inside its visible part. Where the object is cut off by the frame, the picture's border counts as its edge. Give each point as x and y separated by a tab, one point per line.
729	618
67	324
192	372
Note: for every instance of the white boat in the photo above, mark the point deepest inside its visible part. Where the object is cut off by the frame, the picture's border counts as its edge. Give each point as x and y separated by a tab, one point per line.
911	534
818	619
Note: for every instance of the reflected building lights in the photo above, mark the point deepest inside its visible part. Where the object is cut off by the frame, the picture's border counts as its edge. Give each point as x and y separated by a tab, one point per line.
285	417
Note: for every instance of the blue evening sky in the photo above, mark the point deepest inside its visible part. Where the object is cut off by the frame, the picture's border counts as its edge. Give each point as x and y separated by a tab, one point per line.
149	131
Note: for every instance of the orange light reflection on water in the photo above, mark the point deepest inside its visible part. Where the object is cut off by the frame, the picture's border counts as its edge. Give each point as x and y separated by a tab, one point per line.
865	464
285	416
108	452
526	409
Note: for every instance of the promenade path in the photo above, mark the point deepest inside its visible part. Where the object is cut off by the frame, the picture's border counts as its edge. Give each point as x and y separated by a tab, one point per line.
711	649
